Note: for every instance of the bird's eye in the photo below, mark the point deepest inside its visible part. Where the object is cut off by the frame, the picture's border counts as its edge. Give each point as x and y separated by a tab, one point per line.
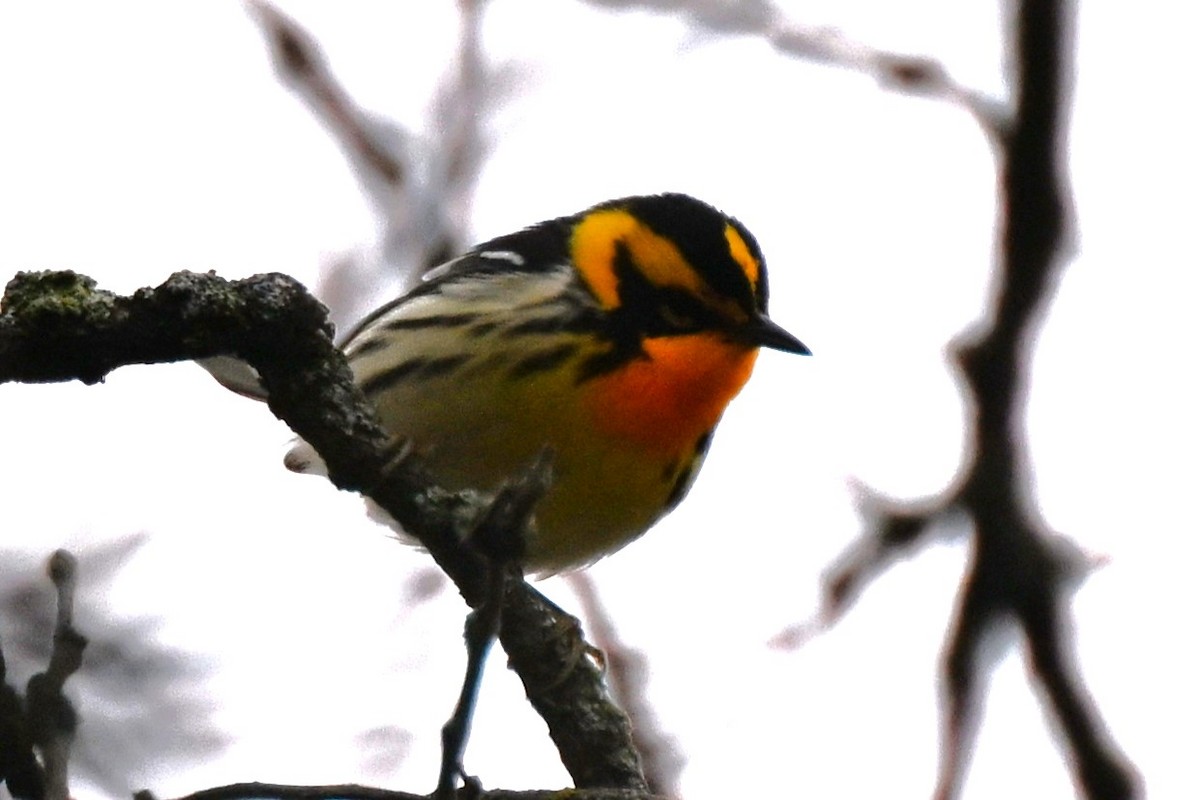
676	318
679	313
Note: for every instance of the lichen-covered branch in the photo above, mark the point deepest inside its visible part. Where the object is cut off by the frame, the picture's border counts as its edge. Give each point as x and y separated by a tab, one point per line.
57	326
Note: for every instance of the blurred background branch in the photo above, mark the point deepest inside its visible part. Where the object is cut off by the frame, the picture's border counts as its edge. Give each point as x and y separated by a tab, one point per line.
1021	572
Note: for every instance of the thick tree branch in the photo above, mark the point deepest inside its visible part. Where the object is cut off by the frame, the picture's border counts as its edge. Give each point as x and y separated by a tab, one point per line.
272	791
56	326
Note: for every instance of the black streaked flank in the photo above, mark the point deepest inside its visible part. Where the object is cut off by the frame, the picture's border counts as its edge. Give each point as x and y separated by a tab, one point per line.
390	376
688	473
434	367
534	325
430	321
368	346
413	368
575	323
478	330
542	361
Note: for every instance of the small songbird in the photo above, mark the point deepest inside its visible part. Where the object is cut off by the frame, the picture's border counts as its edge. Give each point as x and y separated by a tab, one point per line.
616	336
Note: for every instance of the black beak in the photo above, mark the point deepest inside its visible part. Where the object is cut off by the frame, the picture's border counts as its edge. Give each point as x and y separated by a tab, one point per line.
763	332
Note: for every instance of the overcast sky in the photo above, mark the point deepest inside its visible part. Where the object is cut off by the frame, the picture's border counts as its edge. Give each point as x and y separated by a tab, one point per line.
145	137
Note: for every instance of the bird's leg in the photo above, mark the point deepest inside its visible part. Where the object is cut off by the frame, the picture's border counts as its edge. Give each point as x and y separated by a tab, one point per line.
499	536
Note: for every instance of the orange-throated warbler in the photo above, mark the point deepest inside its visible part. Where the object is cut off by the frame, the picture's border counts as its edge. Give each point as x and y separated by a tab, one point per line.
616	336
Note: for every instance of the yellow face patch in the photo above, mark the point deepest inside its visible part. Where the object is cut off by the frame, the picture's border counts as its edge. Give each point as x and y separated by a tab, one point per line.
741	254
594	250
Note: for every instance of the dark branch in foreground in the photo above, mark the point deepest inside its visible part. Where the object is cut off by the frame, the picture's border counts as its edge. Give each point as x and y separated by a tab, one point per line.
56	326
44	719
273	791
1021	572
20	771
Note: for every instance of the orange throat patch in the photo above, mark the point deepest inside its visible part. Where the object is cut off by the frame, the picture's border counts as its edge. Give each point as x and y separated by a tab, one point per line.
666	400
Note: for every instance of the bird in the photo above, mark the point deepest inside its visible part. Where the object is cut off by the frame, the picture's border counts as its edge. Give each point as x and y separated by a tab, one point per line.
616	337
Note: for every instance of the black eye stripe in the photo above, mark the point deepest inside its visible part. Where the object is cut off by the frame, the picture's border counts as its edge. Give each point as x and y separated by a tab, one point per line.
684	303
657	310
635	291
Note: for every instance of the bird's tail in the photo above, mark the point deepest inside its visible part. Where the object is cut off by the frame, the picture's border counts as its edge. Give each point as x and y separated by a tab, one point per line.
235	375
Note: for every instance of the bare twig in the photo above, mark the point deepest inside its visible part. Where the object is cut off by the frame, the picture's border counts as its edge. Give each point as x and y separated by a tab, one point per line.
20	770
380	154
419	186
140	694
458	147
626	669
894	528
911	74
52	717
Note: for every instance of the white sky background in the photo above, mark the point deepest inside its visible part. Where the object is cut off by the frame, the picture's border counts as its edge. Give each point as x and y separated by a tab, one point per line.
149	137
